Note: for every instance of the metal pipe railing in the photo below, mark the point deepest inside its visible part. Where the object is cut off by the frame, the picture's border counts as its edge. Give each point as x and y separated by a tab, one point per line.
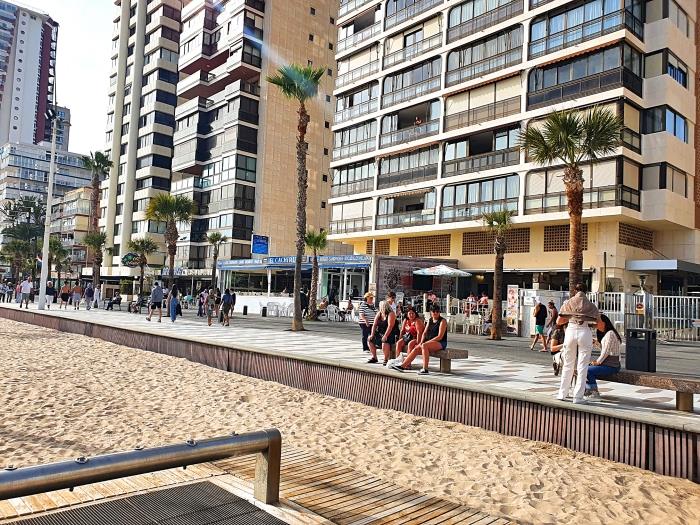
267	444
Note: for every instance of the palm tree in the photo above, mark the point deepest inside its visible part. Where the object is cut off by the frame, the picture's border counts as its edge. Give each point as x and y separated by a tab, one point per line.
16	251
216	239
99	164
497	223
299	83
62	264
143	247
96	242
571	138
317	242
56	251
170	209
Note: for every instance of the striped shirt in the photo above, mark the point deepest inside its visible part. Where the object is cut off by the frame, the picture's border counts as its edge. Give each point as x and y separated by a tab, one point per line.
368	312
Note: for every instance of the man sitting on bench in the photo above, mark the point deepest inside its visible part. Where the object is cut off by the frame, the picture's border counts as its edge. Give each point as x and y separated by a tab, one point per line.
434	339
117	299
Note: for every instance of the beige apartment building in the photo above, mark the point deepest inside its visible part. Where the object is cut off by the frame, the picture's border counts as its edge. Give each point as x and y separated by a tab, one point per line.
432	94
70	222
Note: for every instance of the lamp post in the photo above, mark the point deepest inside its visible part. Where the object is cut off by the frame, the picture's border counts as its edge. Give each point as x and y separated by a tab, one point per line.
53	117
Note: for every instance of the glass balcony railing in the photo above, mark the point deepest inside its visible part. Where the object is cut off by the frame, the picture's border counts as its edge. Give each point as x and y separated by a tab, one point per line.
474	211
603	197
484	161
411	133
590	85
484	67
351	5
409	176
353	149
360	36
357	74
412	51
409	12
587	31
359	110
350	188
406	219
487	19
411	92
351	225
470	117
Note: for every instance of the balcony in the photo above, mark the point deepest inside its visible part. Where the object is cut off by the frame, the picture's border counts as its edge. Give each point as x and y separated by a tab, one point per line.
488	19
590	85
351	5
406	219
590	30
409	12
359	110
484	67
483	161
603	197
632	140
357	74
474	211
410	133
411	92
412	51
493	111
409	176
538	3
360	36
351	225
356	148
351	188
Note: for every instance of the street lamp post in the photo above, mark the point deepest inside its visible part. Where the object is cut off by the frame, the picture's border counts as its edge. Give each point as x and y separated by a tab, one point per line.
53	117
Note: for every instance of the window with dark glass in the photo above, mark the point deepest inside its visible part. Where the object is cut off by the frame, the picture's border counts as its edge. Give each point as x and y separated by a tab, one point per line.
414	75
242	226
664	118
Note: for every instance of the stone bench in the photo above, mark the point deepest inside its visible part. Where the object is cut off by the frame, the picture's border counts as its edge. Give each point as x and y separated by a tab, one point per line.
447	355
684	386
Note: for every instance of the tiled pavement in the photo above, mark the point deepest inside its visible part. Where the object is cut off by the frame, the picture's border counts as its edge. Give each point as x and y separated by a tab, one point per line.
339	342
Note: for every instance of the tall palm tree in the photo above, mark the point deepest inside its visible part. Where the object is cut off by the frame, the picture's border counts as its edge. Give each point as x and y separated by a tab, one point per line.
56	251
299	83
572	138
16	251
143	248
99	165
62	264
317	242
170	209
96	241
497	223
216	239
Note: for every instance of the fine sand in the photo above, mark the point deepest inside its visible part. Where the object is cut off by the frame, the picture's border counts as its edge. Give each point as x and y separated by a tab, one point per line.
65	395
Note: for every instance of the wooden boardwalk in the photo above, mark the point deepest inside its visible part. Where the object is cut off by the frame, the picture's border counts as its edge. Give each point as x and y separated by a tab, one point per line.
312	492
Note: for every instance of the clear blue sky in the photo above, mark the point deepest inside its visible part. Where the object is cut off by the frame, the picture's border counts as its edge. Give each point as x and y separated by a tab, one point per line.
83	64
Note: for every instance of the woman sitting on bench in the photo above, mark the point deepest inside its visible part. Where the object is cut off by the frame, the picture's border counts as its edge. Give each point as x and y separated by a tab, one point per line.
411	332
608	362
434	339
385	332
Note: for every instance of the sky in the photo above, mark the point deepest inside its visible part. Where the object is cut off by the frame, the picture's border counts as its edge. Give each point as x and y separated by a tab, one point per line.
82	65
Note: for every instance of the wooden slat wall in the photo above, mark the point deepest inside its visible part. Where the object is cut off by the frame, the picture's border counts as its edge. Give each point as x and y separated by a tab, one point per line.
663	450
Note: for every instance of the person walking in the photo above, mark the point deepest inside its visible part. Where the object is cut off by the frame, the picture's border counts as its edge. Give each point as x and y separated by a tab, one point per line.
201	302
65	296
581	315
210	305
50	294
385	332
10	292
25	288
367	312
608	362
3	291
98	297
156	302
556	344
173	301
226	305
89	296
217	304
434	339
551	322
540	315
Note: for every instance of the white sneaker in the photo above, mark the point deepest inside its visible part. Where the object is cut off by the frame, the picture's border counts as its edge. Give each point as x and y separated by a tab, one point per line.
594	395
581	401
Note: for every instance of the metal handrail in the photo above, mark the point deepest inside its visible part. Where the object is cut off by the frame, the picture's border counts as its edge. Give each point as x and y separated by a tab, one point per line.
267	444
484	20
413	50
483	67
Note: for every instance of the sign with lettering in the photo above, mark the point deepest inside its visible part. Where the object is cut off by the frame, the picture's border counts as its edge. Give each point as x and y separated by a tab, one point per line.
260	244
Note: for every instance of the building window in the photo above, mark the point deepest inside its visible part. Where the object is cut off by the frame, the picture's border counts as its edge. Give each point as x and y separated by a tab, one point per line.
115	250
312	11
664	176
663	118
311	37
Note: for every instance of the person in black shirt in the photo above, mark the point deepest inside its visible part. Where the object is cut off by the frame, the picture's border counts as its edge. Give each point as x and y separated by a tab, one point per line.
540	315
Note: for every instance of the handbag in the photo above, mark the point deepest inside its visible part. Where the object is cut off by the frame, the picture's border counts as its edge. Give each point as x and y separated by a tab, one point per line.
407	338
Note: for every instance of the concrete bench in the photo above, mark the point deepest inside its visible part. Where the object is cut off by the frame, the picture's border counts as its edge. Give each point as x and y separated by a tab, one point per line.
447	355
684	386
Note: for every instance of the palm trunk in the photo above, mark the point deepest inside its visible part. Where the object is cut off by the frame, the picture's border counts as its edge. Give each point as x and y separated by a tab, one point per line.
302	183
496	312
143	271
171	241
313	296
58	277
573	182
213	271
95	202
96	264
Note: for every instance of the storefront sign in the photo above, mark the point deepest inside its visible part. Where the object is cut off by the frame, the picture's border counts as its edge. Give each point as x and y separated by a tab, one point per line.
512	308
260	244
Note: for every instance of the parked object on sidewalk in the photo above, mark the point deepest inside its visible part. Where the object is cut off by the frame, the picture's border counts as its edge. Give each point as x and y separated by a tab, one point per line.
640	349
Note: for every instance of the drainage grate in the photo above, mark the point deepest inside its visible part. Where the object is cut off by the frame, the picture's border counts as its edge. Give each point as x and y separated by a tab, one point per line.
198	504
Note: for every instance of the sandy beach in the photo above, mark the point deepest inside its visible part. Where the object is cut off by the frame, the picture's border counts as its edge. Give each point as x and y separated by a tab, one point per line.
65	395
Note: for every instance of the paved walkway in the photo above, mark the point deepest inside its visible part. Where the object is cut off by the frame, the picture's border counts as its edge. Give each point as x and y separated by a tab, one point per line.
340	342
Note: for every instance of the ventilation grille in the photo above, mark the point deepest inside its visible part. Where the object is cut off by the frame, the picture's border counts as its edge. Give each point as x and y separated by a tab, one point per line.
556	238
481	242
381	247
428	246
636	237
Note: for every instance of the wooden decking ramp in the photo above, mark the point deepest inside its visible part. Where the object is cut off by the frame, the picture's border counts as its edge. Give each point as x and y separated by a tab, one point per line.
312	492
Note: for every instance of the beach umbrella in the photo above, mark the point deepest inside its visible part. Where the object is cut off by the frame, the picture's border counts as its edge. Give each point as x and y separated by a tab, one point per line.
442	270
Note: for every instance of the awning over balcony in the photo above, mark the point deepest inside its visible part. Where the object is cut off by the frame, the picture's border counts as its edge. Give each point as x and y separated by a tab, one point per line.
662	265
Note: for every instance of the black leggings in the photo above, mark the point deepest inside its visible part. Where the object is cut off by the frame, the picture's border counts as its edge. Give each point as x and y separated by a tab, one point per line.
366	330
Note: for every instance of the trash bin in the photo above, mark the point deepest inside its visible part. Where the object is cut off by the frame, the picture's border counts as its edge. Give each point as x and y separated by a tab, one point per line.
264	311
245	309
640	349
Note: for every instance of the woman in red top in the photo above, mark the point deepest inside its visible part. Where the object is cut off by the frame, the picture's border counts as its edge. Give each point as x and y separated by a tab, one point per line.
411	332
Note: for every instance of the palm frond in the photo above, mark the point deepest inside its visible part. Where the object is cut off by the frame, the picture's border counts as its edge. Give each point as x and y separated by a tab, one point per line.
298	82
498	222
536	146
601	130
562	130
316	240
95	240
216	238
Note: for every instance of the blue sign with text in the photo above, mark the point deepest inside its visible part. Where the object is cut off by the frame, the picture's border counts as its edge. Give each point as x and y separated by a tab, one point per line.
261	245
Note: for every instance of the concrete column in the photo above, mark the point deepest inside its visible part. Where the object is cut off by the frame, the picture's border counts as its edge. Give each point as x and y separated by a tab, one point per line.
269	283
345	284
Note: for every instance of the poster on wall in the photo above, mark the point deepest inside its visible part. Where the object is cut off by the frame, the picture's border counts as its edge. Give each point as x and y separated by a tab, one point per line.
512	309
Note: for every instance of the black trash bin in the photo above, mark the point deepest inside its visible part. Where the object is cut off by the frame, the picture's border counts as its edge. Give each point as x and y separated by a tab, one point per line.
245	309
640	349
264	311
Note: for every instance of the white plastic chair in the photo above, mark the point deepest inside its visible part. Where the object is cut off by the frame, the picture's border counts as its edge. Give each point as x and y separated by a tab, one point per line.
455	321
332	312
273	309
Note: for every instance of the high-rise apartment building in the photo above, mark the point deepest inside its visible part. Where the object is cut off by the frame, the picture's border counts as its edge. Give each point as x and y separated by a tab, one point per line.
432	95
27	73
140	120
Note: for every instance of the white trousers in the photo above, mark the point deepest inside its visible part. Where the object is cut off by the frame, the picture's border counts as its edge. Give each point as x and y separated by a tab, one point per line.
578	339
